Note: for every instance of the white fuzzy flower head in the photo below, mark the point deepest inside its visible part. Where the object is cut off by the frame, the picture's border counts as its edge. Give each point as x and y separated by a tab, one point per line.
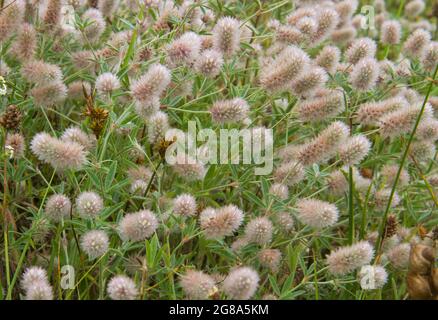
399	255
416	43
311	80
229	111
218	223
33	275
198	285
241	283
430	57
209	63
390	32
75	134
185	205
289	173
226	36
89	204
58	207
346	259
138	226
259	230
270	258
95	243
107	83
354	150
317	213
359	49
36	285
364	75
389	172
158	125
325	145
184	50
279	190
122	288
188	168
284	221
39	291
285	68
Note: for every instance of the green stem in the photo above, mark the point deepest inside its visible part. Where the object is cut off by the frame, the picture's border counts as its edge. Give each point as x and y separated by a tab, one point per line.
350	206
8	273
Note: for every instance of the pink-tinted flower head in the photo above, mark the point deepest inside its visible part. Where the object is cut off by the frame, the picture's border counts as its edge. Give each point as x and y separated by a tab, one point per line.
138	226
185	205
401	121
158	125
197	284
15	145
121	287
317	213
325	145
25	45
209	63
270	258
391	32
354	150
430	57
188	168
378	280
107	83
364	75
359	49
185	50
327	19
228	111
286	67
94	25
279	190
259	230
398	255
389	172
75	134
40	73
416	43
218	223
151	84
289	173
61	155
346	259
310	80
414	8
328	58
58	207
35	284
108	7
369	113
326	103
226	36
33	275
50	94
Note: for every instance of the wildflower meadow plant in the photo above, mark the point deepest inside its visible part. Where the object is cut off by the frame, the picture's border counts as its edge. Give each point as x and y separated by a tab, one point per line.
184	149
